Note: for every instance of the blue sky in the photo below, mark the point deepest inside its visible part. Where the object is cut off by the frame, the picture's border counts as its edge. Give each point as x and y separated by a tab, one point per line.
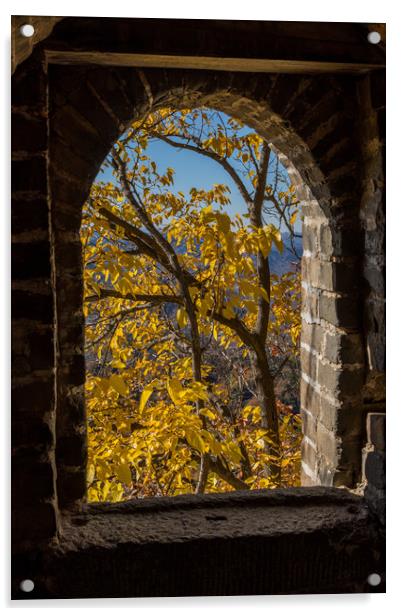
193	170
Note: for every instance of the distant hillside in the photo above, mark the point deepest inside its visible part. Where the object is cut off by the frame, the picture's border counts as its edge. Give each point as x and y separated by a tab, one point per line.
281	263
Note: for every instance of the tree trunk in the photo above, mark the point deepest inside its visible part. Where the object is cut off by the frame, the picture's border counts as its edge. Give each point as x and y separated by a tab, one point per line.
269	417
196	356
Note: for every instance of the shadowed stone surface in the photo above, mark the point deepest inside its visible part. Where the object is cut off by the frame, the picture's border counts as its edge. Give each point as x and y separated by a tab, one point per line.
282	541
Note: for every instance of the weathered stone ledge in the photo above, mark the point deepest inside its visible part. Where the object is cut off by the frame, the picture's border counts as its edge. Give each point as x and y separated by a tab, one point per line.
300	540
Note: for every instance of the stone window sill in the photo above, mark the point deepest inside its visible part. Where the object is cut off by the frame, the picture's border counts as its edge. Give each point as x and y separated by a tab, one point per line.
293	541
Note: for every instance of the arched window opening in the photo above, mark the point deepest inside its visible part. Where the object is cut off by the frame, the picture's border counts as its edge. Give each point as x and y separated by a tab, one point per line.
191	242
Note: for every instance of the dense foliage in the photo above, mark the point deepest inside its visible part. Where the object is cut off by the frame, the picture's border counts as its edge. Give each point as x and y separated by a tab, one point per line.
188	332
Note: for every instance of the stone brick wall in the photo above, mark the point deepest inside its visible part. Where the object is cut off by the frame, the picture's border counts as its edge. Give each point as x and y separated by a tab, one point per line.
34	499
372	214
374	464
371	96
343	339
327	129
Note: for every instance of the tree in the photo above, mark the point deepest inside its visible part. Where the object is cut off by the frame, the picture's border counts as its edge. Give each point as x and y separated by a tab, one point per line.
173	285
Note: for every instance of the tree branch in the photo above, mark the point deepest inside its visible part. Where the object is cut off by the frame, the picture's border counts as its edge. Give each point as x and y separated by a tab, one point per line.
145	242
135	297
208	153
263	271
161	241
216	466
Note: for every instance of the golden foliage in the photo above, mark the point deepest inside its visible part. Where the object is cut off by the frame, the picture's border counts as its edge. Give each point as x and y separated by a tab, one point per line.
149	419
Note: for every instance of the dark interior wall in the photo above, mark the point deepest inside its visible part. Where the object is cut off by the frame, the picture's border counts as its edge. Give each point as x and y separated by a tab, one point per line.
34	501
64	121
291	40
372	215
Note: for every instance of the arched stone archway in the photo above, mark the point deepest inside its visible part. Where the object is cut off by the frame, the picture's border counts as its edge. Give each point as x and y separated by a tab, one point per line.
89	109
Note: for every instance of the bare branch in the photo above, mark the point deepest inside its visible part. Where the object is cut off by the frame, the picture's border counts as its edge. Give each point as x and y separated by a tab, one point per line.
216	466
208	153
135	297
263	270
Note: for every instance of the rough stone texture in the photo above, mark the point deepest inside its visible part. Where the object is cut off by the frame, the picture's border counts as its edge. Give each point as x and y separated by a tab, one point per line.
372	212
21	46
329	132
374	465
343	271
34	501
212	545
376	431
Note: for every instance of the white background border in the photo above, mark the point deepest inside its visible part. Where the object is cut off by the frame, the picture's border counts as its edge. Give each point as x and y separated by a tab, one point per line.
292	10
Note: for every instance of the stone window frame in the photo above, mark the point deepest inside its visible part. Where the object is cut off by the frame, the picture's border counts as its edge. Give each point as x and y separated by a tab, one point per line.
332	356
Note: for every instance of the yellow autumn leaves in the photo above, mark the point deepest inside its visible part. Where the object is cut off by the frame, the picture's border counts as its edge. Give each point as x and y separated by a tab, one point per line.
149	420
